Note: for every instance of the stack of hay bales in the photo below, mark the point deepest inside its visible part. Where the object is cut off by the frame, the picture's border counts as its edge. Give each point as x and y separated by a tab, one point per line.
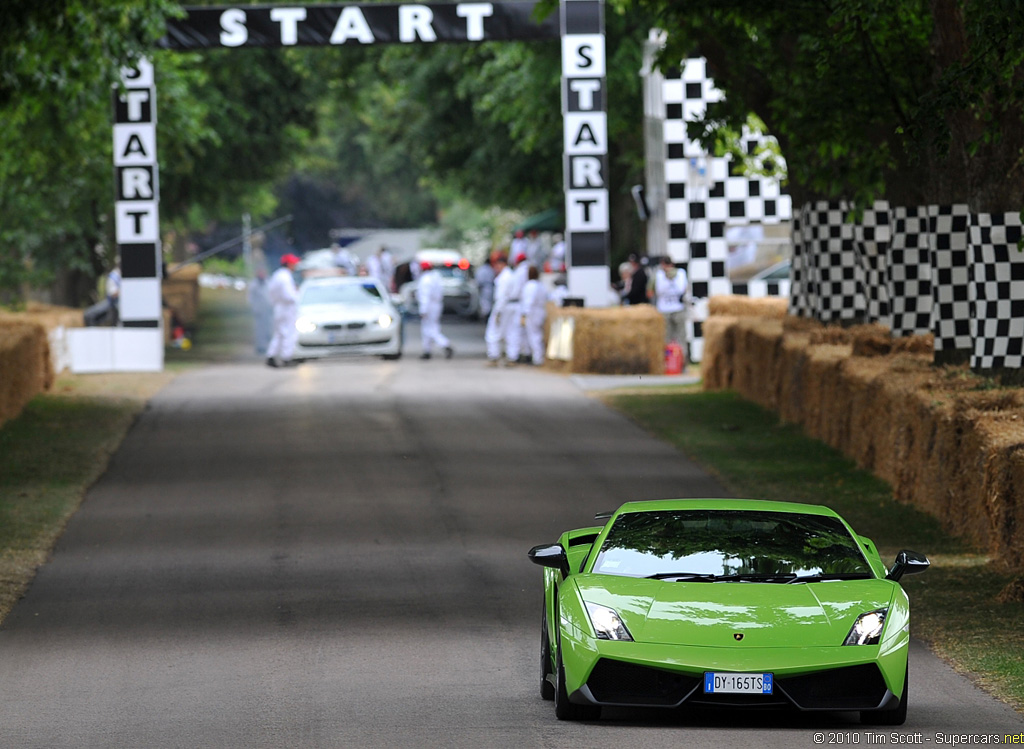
943	438
615	340
180	291
25	366
56	321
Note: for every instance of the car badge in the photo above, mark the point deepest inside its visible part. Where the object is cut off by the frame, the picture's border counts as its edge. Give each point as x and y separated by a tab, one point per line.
737	636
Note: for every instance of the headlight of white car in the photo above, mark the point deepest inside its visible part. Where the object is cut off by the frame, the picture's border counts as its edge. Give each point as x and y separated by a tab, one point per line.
607	623
385	320
305	325
867	630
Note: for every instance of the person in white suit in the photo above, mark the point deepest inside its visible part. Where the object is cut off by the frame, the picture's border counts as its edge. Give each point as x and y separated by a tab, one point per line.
534	309
513	332
430	298
494	336
284	295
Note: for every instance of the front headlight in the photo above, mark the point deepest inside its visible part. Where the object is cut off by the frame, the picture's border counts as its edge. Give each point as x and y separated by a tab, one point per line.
385	321
607	624
305	325
867	630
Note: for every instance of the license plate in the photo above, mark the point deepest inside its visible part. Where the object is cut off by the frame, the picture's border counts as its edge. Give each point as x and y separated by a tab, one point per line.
718	683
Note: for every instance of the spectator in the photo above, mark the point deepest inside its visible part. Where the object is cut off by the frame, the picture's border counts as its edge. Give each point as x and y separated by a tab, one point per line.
535	310
494	335
262	312
285	298
485	286
668	291
638	282
113	292
430	296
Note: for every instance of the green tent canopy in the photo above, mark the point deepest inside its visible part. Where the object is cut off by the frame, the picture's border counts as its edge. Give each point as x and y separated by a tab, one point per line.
549	220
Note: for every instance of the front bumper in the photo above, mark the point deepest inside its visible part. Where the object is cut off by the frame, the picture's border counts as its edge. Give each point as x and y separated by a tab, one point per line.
643	675
369	342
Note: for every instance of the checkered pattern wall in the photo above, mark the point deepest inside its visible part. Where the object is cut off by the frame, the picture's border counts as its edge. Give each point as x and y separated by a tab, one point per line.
922	269
999	291
705	196
953	273
936	269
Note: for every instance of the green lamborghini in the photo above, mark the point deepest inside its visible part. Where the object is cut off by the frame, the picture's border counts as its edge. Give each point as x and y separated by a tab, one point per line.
725	602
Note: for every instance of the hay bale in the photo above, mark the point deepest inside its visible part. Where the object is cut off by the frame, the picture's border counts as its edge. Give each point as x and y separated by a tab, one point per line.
616	340
758	349
915	344
943	438
716	367
25	368
734	305
180	291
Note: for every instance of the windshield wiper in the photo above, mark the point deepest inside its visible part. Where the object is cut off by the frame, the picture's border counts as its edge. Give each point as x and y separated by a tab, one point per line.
760	577
783	577
830	576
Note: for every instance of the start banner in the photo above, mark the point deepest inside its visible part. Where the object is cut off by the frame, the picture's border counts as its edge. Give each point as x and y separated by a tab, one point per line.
360	24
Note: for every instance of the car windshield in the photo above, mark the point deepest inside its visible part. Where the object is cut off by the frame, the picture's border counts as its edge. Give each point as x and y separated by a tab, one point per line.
341	293
737	544
451	271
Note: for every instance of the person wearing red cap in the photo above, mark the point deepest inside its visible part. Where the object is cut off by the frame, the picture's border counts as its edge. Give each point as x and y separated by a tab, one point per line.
285	297
430	298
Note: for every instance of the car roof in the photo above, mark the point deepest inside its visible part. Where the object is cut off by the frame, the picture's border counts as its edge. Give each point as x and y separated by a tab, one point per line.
772	272
749	505
338	280
438	256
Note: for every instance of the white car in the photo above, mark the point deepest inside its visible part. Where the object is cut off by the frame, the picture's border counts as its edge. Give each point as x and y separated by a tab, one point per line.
461	295
347	315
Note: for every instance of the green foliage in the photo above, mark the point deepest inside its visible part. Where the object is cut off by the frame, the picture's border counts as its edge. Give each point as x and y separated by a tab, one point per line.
228	267
918	102
230	124
58	61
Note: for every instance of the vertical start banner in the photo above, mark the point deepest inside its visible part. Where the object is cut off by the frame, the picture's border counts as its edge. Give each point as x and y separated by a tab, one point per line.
137	344
585	121
137	197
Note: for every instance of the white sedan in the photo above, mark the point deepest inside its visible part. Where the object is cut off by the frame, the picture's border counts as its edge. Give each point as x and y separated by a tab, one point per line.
347	315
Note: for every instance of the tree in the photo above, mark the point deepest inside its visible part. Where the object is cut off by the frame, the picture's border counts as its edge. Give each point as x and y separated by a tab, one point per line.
484	121
916	101
59	59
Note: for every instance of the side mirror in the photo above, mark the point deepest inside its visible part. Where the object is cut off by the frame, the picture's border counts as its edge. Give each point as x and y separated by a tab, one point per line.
550	555
907	563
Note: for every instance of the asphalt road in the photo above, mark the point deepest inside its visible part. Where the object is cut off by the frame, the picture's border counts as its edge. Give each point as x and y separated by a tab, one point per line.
335	556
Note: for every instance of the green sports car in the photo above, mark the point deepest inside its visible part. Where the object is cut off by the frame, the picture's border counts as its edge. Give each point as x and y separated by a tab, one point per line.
727	602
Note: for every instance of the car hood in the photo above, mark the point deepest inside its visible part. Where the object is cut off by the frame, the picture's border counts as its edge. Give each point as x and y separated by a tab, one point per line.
327	313
714	614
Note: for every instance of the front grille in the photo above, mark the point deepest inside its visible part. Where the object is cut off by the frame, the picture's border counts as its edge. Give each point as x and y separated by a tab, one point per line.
619	683
850	688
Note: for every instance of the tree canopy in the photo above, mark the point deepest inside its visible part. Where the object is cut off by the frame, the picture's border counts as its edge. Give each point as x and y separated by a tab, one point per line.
916	101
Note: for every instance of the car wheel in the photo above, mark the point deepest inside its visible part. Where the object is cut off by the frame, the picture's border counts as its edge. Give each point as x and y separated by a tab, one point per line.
565	710
392	357
895	717
547	689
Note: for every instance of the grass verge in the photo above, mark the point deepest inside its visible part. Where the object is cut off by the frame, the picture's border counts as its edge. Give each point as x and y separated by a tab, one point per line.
62	442
754	455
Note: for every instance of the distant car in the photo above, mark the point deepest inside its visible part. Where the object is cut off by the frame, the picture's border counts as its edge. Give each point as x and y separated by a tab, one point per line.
739	604
327	262
347	315
461	295
777	272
